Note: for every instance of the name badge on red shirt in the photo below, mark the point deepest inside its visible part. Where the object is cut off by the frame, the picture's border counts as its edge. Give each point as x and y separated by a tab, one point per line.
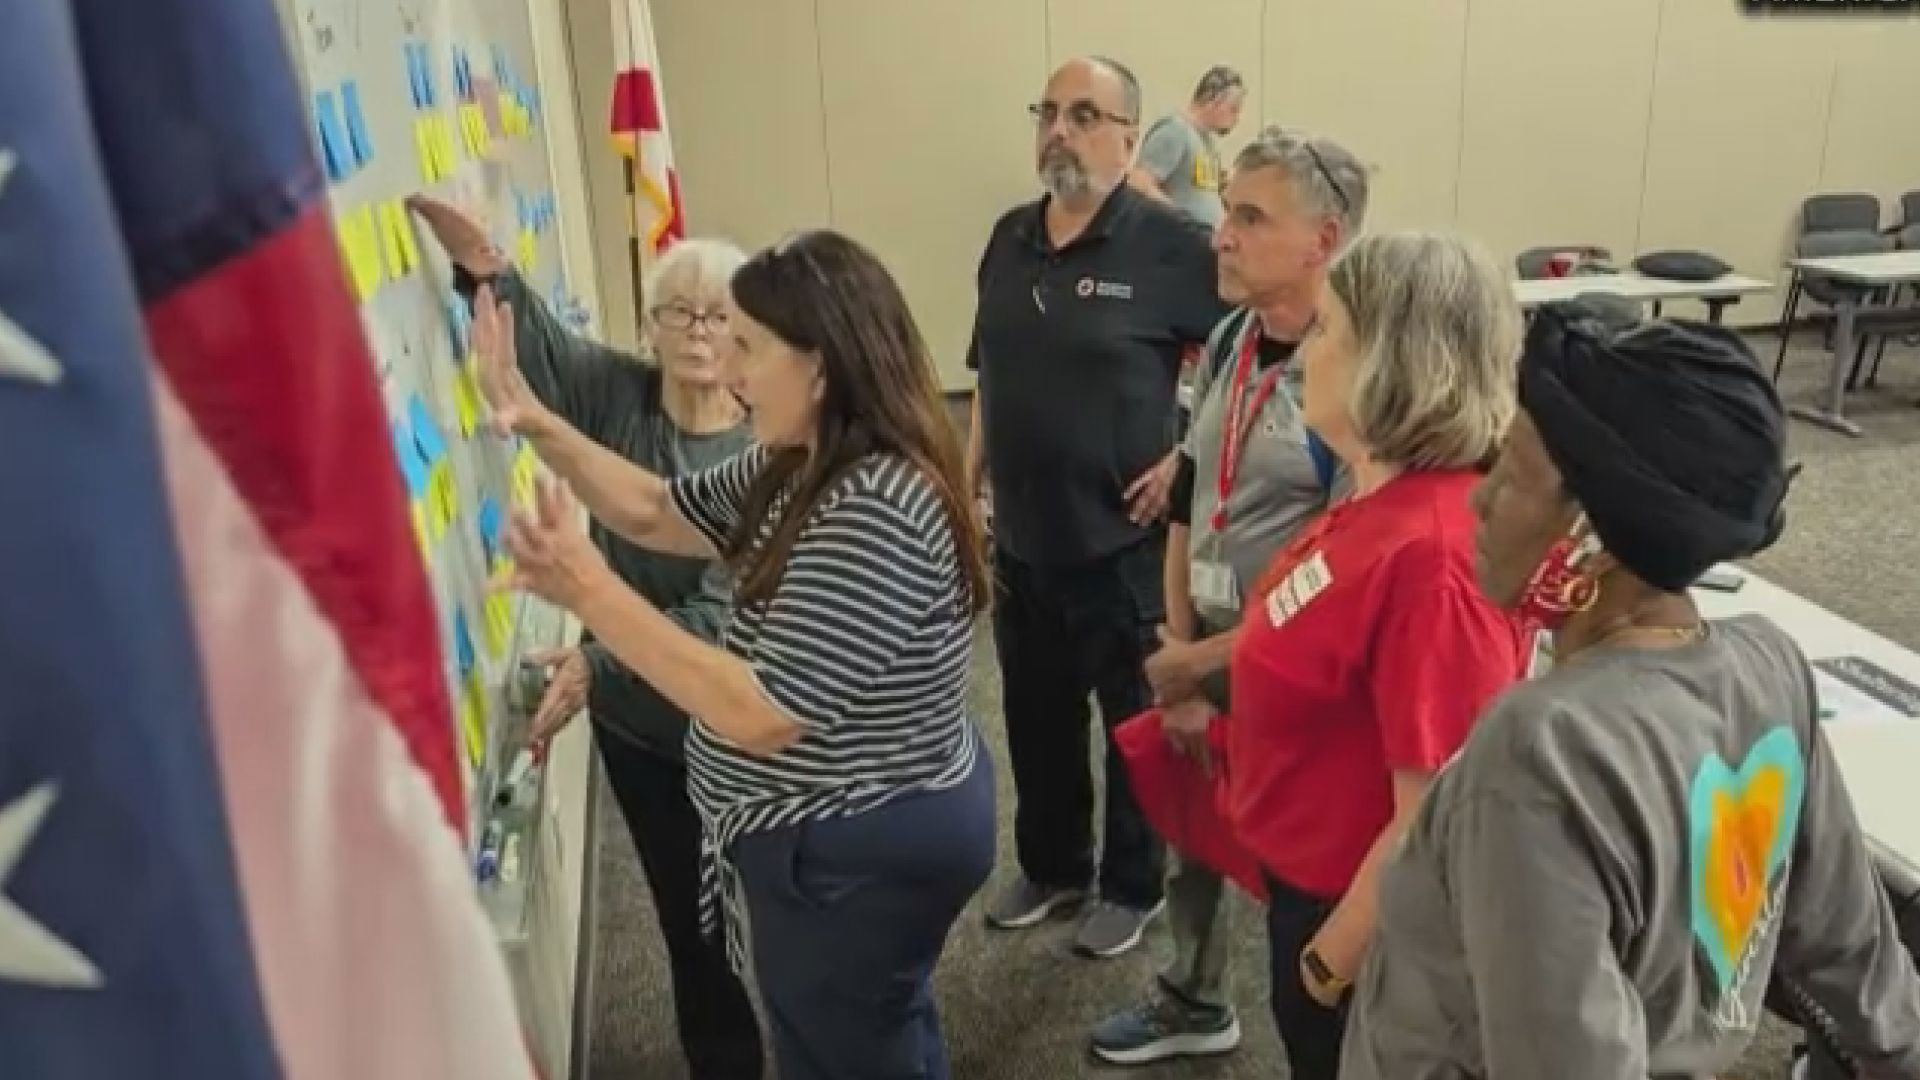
1308	580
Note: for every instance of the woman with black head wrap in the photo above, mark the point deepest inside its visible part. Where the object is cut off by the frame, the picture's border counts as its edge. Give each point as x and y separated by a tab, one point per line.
1631	845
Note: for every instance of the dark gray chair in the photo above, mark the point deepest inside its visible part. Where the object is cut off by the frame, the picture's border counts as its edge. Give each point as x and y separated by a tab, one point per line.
1910	210
1840	211
1818	245
1532	263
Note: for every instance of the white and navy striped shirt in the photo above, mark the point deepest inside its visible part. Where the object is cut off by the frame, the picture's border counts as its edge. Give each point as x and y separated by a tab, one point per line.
864	643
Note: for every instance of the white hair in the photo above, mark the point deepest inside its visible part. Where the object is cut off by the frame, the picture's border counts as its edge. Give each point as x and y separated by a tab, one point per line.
1439	336
693	268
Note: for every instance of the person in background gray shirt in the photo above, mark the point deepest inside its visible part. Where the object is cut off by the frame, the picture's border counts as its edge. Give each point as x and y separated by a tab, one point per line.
1294	201
1179	160
1630	847
674	417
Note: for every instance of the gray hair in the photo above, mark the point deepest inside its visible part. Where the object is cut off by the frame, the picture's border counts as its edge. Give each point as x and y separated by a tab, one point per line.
1439	335
691	268
1129	85
1219	81
1331	179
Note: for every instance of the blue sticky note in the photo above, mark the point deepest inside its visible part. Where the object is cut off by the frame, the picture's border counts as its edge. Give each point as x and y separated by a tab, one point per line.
427	92
462	641
493	527
499	65
459	321
414	89
360	142
412	469
333	138
426	432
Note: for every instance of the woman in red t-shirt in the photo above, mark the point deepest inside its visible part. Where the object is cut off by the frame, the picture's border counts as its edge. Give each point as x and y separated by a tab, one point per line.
1367	648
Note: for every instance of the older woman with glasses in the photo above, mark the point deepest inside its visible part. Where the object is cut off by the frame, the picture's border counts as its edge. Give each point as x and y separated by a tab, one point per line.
847	802
1366	649
673	416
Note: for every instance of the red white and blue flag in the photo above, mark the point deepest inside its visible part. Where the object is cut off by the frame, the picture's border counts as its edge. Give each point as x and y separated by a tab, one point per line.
230	812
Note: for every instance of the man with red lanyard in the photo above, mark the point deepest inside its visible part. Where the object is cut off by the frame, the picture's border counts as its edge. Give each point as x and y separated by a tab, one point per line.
1250	476
1368	648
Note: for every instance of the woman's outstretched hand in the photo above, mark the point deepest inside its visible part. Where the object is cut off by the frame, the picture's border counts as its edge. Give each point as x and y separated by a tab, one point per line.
510	401
552	555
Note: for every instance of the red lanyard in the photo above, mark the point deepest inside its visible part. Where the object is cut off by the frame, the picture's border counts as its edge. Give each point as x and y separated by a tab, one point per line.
1237	425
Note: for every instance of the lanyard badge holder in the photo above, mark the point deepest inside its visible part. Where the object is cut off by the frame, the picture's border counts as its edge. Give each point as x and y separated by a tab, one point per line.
1213	582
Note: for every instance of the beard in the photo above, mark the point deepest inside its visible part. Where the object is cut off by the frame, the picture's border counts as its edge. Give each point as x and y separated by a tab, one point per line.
1064	174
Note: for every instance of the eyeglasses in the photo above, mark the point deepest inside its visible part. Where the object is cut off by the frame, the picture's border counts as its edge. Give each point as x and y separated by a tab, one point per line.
1082	116
680	317
1326	174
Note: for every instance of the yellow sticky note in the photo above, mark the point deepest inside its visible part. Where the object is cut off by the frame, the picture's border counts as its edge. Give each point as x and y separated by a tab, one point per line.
527	251
466	400
473	718
363	253
506	113
524	471
419	515
423	144
443	141
390	243
499	619
441	497
403	229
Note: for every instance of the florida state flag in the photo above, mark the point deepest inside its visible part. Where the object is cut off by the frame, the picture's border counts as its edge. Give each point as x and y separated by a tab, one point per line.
640	130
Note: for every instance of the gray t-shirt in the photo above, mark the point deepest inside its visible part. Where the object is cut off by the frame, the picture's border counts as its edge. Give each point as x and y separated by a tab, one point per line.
1278	486
1186	161
1605	878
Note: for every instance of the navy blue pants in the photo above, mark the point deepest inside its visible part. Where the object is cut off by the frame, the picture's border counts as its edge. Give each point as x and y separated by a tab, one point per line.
849	917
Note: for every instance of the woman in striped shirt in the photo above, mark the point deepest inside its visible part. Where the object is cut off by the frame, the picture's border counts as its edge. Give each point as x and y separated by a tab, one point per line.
847	801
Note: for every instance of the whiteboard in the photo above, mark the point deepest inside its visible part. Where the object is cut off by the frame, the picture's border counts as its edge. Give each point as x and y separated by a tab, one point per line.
440	96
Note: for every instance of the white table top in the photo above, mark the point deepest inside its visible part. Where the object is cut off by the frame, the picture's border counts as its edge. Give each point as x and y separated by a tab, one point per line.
1881	268
1633	286
1878	749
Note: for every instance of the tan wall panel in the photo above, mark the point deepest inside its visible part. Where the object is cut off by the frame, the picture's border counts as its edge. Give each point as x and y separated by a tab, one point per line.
1871	139
1383	77
1739	122
927	146
742	83
1168	47
1554	136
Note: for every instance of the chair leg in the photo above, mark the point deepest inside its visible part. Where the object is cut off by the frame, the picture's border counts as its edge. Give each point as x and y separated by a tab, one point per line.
1656	309
1859	362
1717	308
1786	323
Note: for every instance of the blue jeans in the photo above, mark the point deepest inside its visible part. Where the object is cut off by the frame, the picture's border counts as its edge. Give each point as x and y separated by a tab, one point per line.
848	918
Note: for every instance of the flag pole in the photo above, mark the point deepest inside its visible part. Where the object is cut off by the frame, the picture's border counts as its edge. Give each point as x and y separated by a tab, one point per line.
630	167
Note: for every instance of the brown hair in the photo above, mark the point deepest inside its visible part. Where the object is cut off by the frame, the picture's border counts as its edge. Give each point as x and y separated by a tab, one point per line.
824	293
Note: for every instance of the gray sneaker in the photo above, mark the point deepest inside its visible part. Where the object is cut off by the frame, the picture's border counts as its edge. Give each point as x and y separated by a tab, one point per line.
1165	1027
1110	929
1023	904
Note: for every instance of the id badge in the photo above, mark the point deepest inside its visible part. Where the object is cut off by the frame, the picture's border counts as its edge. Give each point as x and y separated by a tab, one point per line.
1213	586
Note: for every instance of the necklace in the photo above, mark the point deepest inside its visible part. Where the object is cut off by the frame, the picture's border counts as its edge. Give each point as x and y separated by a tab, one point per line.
1655	635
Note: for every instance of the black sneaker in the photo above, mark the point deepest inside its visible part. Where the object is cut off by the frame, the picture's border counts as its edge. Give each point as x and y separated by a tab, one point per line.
1165	1027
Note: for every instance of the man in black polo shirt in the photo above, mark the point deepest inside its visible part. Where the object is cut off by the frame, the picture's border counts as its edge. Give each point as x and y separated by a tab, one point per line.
1087	299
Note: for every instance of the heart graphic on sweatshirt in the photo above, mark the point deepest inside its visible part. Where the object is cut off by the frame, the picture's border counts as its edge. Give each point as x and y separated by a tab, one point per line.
1743	824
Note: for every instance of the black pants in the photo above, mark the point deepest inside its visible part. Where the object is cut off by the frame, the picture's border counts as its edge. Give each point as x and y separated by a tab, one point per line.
848	918
1310	1031
718	1031
1063	632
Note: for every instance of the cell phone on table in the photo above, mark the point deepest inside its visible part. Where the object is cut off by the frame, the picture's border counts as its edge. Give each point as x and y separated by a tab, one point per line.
1722	579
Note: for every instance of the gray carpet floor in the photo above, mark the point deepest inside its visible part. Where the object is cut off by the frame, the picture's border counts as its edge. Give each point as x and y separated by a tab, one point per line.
1017	1007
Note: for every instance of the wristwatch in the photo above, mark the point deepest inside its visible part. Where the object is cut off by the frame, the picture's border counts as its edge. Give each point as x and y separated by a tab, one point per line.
1330	985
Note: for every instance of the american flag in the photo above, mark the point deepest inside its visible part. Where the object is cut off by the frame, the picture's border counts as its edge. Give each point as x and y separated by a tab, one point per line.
639	124
230	811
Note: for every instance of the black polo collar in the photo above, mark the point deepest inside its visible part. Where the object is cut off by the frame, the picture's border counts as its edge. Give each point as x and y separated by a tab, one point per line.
1031	227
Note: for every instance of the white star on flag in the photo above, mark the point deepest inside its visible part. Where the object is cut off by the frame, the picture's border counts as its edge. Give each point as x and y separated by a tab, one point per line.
29	952
21	357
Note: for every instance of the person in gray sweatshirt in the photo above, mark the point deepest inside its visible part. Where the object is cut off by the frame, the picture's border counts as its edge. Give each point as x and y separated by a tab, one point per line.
1630	847
674	416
